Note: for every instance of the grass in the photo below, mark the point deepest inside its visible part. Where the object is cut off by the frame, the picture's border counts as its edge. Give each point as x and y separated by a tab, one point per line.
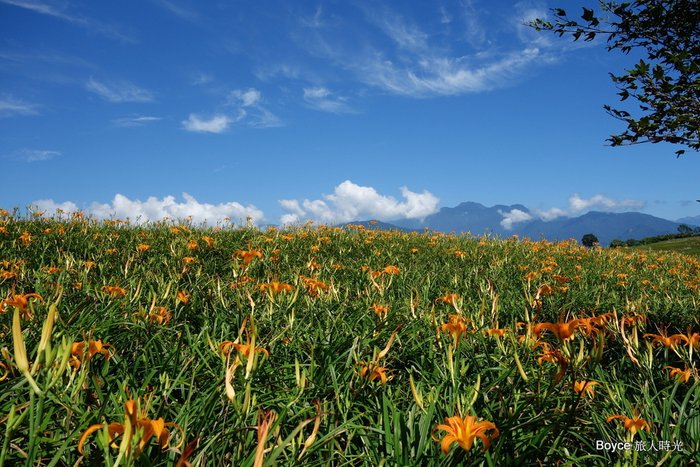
687	246
166	344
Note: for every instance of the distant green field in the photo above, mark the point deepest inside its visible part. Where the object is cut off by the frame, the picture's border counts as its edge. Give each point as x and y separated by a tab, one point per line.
687	246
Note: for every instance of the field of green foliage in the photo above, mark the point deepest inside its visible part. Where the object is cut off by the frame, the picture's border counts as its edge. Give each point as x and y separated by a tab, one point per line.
167	344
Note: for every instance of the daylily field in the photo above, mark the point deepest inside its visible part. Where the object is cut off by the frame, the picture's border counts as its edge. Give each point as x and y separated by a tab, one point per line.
171	344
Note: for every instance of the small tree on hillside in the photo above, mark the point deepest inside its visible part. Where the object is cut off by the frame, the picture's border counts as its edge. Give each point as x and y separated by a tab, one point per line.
589	240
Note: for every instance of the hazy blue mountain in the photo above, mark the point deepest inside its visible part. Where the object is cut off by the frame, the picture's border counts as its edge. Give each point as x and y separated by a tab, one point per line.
479	220
694	221
606	226
466	217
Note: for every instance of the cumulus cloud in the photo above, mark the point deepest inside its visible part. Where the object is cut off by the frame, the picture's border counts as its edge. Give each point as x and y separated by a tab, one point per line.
350	202
216	124
153	209
513	217
603	203
577	206
119	92
321	98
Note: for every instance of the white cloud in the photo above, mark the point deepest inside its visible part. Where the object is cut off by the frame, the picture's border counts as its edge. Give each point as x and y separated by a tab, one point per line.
248	105
35	155
321	98
59	11
10	107
119	92
577	206
513	217
350	202
246	98
138	120
153	209
601	202
216	124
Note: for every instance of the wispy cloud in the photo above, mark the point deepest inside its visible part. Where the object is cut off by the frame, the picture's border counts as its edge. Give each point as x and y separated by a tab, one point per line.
60	12
577	206
178	9
215	124
11	107
119	92
137	120
154	209
248	105
418	64
321	98
350	202
37	155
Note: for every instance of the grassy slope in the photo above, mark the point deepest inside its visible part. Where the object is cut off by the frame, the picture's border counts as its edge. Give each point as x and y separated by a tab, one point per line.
687	246
309	377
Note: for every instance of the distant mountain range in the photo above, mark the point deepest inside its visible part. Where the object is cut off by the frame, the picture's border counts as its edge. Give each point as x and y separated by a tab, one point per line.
480	220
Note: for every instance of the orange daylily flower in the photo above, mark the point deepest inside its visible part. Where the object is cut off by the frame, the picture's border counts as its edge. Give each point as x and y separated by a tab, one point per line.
21	302
248	255
556	357
373	371
313	286
449	298
244	349
183	297
465	431
275	287
380	310
391	270
189	259
192	245
141	247
680	375
631	424
667	341
583	388
498	332
208	240
564	331
114	291
133	423
93	348
159	315
25	238
456	327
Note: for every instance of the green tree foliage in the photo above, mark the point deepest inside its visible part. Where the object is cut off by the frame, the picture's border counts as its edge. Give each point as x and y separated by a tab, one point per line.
589	240
685	229
666	85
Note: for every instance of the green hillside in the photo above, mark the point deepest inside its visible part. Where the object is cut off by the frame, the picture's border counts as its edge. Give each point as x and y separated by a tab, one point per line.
687	246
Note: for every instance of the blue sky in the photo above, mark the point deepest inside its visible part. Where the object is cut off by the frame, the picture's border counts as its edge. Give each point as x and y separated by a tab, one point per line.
333	111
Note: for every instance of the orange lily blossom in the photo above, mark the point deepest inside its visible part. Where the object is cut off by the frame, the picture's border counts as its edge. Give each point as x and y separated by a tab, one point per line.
275	287
391	270
143	247
465	431
248	255
244	349
564	331
93	348
456	327
373	371
583	388
114	291
183	297
133	422
380	310
449	298
554	356
667	341
20	301
631	424
680	375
